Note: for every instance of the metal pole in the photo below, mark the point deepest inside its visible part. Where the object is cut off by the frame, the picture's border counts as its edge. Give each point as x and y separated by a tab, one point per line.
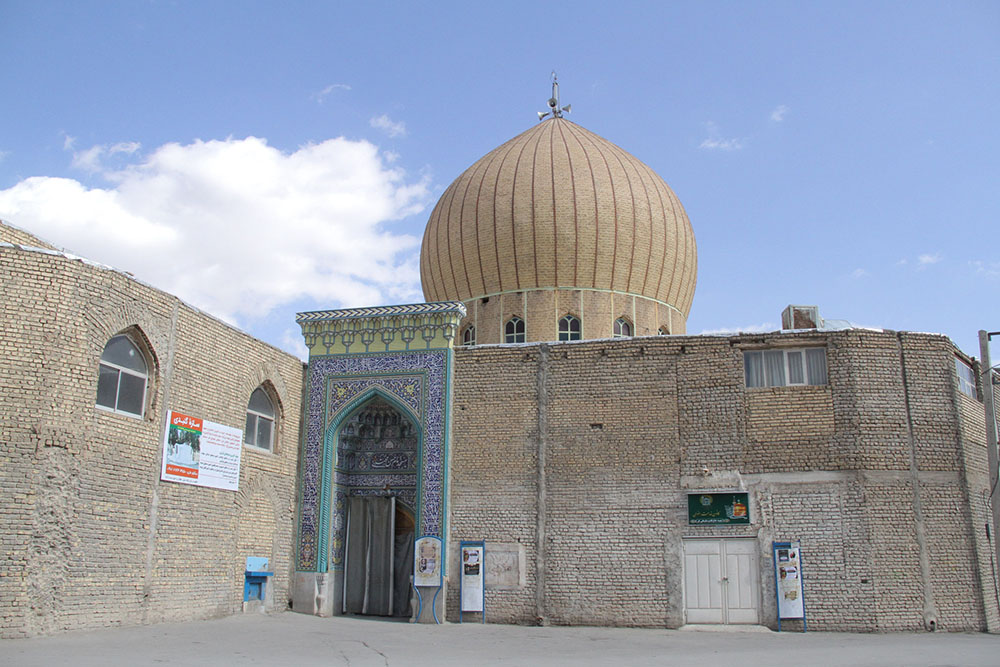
991	434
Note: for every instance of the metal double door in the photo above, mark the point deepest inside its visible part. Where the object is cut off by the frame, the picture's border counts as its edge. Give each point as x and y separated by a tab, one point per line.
721	581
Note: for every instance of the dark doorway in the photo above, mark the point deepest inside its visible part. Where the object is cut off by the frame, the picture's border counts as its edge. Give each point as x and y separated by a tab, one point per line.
379	557
378	454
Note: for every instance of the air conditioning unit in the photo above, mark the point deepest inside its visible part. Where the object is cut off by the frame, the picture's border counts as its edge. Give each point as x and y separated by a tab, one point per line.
801	317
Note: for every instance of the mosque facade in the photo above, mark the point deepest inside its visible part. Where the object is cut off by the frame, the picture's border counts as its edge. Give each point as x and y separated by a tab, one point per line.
539	443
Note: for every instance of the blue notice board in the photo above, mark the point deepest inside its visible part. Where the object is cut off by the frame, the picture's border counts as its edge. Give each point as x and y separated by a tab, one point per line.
788	582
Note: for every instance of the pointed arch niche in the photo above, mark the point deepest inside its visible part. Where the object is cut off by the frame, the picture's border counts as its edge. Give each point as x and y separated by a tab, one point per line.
377	440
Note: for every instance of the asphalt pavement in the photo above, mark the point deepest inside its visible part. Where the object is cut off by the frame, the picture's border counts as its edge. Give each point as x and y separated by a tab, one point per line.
296	639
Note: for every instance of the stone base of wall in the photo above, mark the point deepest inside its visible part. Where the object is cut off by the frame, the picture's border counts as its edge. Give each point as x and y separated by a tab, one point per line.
313	593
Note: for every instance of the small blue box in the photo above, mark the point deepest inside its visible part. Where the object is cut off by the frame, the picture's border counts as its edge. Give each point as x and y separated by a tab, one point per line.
255	579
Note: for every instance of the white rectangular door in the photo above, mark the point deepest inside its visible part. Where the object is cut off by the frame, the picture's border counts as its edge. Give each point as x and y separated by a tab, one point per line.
740	581
703	581
720	581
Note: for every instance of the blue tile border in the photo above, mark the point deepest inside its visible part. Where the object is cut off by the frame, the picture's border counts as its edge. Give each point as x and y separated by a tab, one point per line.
417	382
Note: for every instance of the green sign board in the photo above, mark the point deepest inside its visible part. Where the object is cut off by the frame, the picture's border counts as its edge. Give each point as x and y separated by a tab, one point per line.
718	508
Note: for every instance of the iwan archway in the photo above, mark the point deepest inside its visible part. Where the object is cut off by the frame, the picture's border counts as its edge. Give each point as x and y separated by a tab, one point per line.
376	474
375	452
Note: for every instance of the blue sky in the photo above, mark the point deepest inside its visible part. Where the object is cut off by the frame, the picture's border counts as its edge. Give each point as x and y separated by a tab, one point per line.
840	154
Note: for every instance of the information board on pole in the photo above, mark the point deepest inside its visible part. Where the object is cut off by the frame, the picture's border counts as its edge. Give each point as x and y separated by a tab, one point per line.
427	561
788	581
473	568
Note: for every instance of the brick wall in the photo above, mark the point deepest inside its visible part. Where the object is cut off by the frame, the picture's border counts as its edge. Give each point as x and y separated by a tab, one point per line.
90	535
594	446
580	456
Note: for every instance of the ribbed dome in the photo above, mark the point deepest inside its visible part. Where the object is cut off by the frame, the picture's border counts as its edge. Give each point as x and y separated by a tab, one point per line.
559	206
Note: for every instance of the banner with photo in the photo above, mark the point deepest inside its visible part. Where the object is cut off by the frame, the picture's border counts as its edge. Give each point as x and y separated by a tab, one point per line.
201	453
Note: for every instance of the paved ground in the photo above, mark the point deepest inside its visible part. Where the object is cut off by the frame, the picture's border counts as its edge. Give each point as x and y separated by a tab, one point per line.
295	639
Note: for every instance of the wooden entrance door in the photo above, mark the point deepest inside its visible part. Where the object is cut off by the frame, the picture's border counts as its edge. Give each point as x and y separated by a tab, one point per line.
721	581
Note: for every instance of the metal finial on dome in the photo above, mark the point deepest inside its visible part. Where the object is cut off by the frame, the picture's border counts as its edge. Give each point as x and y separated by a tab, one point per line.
554	107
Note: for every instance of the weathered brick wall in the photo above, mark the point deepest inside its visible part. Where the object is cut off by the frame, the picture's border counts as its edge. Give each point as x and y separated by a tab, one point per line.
898	597
955	574
628	428
493	464
828	518
91	537
790	428
609	496
972	432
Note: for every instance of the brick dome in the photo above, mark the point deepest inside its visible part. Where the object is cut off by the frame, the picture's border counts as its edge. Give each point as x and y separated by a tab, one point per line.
560	207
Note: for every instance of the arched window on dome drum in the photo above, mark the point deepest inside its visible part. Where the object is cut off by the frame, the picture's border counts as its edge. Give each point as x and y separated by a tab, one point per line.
122	378
514	330
622	328
469	335
663	331
260	421
569	328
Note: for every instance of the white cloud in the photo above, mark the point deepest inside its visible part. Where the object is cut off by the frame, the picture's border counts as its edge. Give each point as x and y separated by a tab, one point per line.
321	95
89	160
989	270
237	227
292	341
92	159
749	328
859	273
928	259
3	155
722	144
126	147
778	114
389	126
716	142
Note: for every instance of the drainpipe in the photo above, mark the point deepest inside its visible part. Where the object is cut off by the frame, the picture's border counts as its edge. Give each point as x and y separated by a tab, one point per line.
929	611
991	432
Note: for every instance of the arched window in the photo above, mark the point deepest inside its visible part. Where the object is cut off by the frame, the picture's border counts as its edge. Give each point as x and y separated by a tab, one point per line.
569	328
469	335
663	331
122	378
514	330
260	421
622	328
